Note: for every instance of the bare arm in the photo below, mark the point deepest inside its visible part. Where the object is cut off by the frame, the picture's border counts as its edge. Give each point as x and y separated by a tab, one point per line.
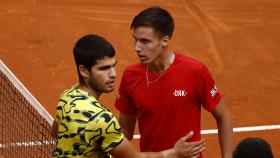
54	129
180	149
127	123
224	125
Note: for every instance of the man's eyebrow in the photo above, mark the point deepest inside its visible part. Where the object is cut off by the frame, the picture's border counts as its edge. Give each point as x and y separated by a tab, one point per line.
115	63
141	39
107	66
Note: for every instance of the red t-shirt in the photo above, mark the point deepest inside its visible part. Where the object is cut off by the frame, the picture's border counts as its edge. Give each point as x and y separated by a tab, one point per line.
171	107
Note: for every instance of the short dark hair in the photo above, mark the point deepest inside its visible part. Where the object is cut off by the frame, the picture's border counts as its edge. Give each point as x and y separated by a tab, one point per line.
253	147
90	48
157	18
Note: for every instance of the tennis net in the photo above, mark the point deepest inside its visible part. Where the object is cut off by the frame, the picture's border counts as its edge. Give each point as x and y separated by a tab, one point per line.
24	123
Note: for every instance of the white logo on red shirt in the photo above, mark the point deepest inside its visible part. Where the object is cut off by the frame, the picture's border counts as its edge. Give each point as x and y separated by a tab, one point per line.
214	91
179	93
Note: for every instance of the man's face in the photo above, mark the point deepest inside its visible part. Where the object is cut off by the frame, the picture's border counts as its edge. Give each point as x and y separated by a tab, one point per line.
102	75
148	45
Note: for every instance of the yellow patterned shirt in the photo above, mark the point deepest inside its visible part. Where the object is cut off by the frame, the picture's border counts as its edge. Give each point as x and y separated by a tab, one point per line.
86	129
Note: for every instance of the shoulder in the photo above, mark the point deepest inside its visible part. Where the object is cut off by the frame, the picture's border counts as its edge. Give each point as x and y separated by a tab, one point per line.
185	59
77	99
102	120
134	70
71	90
189	63
73	93
103	125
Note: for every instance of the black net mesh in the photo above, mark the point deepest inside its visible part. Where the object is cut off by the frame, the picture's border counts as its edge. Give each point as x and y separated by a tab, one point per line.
24	132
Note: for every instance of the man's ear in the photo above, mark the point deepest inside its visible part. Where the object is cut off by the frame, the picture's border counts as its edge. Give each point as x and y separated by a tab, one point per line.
165	41
83	71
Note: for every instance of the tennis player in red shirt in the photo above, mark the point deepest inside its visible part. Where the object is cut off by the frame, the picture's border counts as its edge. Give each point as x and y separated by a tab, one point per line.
166	90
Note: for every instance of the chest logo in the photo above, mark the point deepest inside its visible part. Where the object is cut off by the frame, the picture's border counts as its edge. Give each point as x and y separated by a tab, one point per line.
179	93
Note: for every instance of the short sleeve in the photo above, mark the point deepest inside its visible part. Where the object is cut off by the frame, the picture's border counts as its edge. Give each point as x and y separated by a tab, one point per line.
209	94
123	101
58	111
103	131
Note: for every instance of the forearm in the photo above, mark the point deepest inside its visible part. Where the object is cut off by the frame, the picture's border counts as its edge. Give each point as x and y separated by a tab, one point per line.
126	150
182	148
223	120
128	133
225	137
127	123
170	153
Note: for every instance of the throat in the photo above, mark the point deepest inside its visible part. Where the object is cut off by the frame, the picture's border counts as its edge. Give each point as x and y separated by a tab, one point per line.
87	88
162	66
159	69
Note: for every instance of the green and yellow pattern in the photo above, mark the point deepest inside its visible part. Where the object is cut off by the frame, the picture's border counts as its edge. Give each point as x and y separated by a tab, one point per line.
85	127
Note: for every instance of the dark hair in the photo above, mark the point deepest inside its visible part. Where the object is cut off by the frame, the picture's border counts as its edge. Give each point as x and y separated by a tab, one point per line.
253	148
90	48
157	18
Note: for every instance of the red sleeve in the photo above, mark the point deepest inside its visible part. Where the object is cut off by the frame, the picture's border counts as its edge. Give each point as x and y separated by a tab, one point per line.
123	102
209	94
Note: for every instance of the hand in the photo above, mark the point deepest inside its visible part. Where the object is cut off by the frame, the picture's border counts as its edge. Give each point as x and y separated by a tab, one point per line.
189	149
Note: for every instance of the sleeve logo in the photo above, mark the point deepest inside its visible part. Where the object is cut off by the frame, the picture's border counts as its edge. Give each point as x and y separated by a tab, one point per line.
214	91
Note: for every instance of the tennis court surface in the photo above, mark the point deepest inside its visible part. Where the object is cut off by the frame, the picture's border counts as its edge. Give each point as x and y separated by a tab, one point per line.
237	40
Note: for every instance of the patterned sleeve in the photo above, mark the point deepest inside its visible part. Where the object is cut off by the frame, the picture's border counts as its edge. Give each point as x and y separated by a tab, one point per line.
103	131
58	115
123	102
209	92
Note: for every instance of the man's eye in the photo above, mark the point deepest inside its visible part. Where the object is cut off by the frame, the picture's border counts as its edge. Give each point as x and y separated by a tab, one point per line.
144	41
104	68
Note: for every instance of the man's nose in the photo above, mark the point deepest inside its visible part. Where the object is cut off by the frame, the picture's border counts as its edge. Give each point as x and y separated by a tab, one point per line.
112	73
137	46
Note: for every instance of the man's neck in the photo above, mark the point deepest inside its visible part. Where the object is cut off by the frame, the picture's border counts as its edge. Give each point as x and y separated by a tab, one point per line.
91	91
162	62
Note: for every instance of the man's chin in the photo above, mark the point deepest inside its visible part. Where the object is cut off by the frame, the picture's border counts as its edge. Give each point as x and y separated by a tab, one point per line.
144	62
108	90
